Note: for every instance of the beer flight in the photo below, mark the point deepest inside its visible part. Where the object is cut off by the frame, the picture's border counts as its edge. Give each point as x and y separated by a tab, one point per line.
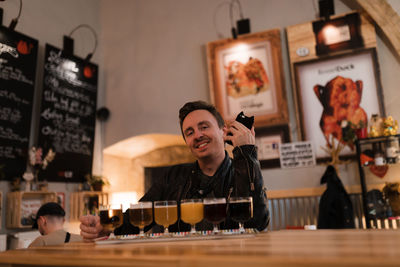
192	211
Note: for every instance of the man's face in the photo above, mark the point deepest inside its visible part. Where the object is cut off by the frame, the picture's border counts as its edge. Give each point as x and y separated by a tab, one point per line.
202	134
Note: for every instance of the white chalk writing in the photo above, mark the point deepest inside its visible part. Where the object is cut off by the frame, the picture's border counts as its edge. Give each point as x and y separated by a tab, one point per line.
8	49
10	114
9	73
8	133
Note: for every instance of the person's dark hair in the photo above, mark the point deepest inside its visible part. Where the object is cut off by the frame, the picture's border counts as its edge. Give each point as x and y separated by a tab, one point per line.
51	209
196	105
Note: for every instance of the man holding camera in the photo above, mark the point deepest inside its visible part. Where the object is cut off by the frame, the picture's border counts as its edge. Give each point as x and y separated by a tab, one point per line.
214	174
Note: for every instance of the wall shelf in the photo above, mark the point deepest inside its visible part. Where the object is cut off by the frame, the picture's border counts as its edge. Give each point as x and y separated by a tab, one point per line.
359	144
86	202
22	207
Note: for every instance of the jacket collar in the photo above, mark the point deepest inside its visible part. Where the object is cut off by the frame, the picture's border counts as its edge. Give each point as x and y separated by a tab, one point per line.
222	169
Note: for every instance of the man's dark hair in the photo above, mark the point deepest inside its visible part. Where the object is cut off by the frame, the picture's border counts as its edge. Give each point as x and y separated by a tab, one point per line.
196	105
51	209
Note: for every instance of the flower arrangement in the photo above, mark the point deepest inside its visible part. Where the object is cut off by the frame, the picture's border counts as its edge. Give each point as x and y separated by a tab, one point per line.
37	163
35	158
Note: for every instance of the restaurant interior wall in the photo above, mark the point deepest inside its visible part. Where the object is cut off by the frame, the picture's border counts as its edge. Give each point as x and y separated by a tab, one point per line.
152	59
47	21
163	64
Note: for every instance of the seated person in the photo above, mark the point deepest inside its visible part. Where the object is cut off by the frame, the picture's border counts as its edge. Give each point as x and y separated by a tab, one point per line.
50	221
214	174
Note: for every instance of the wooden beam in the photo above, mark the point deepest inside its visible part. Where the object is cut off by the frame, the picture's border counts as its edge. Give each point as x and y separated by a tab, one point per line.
385	18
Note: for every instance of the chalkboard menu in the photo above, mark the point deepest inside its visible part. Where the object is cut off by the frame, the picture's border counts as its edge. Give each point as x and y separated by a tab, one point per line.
18	55
67	117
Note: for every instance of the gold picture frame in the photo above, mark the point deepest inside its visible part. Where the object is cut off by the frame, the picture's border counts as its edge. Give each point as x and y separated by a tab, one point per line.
246	74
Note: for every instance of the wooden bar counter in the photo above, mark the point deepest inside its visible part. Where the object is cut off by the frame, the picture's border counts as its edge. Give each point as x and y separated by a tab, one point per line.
278	248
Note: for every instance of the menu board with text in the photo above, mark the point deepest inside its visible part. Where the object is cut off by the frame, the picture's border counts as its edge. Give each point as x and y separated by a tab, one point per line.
67	117
18	56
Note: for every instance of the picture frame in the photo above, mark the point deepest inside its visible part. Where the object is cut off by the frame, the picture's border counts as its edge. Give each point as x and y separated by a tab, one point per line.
337	34
268	140
61	199
246	74
322	107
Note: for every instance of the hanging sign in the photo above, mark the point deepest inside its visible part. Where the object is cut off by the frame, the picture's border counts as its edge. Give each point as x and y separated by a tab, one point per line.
297	154
18	55
67	117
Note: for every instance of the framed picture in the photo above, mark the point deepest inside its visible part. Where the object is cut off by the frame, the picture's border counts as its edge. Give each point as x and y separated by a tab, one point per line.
268	140
338	34
61	199
245	74
334	89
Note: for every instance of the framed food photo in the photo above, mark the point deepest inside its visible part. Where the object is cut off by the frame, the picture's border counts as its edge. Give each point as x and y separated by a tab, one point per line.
245	74
332	89
268	140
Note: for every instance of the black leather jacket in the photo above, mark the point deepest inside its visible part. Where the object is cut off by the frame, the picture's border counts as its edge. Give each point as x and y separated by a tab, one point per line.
240	176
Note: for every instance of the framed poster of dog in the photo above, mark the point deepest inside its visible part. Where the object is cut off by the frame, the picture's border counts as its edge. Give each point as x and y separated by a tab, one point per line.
246	74
337	88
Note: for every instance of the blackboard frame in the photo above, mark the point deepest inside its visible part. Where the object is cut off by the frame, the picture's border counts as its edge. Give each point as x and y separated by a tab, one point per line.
68	115
18	65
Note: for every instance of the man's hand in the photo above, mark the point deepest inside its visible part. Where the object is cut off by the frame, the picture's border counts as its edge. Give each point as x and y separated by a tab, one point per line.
91	227
241	135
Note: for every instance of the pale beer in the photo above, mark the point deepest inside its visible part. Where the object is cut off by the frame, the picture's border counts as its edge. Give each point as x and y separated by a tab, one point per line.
141	215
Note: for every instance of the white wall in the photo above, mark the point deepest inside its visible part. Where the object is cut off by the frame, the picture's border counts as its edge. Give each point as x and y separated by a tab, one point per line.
155	61
152	60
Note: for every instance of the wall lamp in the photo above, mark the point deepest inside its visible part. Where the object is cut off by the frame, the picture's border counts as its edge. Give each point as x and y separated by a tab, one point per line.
68	42
242	25
14	21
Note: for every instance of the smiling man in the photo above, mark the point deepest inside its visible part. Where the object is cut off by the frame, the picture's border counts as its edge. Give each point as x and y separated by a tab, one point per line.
214	174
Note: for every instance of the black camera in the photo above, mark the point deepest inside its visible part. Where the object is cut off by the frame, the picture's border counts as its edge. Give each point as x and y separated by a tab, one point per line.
246	121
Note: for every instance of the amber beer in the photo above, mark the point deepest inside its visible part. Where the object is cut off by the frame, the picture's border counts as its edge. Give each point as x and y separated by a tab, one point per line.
111	218
141	215
192	212
165	213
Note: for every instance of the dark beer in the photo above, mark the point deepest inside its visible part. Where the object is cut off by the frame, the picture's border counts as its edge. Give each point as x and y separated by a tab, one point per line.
215	212
111	219
240	211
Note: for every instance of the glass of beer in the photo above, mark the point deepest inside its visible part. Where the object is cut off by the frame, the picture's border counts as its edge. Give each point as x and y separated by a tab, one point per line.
165	213
241	210
192	212
215	211
111	217
141	215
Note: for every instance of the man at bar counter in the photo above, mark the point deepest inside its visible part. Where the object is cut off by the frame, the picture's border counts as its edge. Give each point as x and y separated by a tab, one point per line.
214	174
50	223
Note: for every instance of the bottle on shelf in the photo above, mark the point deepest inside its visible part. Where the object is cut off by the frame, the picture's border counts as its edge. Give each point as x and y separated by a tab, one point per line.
379	156
86	210
392	150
